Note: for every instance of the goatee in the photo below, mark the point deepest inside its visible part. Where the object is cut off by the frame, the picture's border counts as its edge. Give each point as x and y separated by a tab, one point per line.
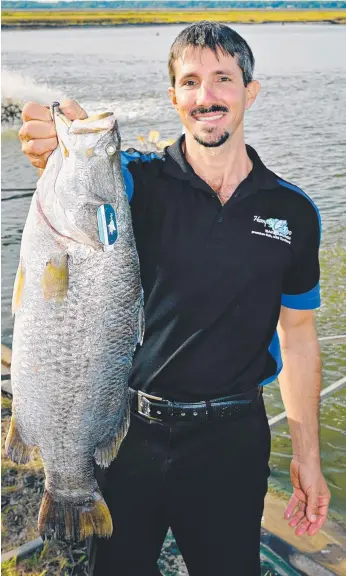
221	140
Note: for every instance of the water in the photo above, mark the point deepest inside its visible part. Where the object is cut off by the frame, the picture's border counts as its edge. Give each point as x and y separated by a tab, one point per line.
298	126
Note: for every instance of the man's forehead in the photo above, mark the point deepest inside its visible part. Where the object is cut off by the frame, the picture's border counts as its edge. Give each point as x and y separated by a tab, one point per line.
195	57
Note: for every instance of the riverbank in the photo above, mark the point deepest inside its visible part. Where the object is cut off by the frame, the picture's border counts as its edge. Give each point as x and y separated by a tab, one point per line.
22	488
69	18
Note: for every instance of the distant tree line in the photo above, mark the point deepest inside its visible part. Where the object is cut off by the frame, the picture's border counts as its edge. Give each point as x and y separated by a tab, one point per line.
173	5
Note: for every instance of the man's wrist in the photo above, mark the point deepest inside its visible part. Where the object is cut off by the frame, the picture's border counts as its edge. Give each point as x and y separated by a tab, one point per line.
309	458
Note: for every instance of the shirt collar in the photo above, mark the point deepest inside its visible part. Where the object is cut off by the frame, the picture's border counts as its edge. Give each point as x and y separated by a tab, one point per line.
176	165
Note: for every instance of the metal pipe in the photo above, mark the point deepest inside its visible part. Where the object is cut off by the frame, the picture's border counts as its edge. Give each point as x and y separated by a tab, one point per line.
23	551
341	339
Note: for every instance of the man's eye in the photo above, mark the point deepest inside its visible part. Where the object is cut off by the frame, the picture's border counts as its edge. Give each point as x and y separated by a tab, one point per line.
224	79
189	83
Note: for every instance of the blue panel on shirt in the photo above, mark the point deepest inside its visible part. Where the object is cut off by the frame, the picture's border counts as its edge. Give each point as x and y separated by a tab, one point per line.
307	301
312	299
127	157
274	350
299	191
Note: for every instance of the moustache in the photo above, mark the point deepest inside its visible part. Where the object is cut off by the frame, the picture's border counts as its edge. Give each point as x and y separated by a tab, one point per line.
213	108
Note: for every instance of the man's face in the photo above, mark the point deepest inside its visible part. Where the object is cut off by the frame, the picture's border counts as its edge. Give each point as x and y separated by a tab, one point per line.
210	95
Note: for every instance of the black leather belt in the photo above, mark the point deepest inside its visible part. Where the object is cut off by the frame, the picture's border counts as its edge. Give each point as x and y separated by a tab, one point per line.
156	408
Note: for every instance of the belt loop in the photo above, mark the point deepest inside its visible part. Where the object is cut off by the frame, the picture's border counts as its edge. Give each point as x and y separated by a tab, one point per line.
208	405
170	408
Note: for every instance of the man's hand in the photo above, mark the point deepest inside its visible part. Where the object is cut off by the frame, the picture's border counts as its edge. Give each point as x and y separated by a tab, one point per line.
38	135
308	505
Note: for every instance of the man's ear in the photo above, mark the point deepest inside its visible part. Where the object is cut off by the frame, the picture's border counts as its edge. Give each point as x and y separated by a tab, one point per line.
171	93
252	90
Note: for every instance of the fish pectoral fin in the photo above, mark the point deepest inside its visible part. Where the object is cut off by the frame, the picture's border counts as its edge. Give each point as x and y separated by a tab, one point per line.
141	325
15	448
54	281
107	451
73	522
18	288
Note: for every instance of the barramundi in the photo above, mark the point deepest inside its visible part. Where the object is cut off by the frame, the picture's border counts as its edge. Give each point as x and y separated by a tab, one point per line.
78	309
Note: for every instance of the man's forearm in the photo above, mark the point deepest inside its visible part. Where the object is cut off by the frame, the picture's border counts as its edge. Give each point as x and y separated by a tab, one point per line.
300	384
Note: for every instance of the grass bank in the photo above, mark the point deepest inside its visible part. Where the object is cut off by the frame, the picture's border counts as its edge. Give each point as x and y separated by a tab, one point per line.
46	19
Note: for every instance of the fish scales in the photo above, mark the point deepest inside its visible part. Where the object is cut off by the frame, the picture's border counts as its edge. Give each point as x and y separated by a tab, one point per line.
72	351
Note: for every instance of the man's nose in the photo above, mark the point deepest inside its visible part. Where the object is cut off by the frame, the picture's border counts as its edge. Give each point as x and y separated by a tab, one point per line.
205	95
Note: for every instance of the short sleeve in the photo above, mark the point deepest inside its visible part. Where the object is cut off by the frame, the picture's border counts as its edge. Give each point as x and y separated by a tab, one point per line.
301	287
133	158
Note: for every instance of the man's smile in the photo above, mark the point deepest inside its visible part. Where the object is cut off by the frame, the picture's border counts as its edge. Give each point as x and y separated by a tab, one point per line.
211	117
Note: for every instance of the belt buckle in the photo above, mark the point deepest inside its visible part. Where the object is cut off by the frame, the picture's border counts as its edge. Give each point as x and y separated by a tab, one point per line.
143	405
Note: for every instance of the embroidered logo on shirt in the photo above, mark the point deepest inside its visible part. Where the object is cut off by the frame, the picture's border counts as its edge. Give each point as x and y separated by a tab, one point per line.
274	228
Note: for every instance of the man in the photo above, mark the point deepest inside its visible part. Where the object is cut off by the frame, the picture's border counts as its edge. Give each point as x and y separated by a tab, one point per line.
228	253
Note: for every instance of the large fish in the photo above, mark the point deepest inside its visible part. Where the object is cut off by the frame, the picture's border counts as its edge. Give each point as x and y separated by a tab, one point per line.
78	318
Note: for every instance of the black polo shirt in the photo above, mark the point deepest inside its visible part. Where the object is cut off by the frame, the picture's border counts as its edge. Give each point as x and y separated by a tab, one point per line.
214	277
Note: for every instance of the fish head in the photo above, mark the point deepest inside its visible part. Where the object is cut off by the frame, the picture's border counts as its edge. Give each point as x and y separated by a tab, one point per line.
85	178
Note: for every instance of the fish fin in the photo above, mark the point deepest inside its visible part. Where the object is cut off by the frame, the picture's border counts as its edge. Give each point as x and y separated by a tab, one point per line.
18	288
54	281
15	448
141	325
64	149
72	522
106	452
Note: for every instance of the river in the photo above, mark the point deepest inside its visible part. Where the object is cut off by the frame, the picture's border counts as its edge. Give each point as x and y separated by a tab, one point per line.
298	126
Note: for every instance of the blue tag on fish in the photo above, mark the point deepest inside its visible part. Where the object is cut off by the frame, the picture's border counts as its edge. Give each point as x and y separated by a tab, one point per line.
107	225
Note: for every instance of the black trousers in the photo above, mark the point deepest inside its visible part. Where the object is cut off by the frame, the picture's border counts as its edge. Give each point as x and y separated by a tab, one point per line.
205	481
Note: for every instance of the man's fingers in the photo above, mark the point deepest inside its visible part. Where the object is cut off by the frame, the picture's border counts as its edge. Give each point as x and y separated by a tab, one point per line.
39	161
72	110
36	129
321	518
316	526
298	516
303	527
292	504
35	111
312	506
39	147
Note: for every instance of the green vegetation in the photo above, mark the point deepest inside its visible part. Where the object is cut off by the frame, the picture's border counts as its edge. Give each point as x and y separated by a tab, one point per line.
52	18
54	558
173	4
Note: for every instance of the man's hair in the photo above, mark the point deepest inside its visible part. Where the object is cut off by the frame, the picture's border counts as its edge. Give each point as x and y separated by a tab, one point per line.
212	35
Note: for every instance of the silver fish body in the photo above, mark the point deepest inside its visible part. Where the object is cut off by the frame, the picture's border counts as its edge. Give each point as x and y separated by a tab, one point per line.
77	322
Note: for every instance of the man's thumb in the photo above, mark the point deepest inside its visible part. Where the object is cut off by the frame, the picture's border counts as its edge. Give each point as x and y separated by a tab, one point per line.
72	110
312	507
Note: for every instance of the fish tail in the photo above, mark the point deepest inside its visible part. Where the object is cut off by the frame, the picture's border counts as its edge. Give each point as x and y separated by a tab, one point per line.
72	522
15	448
106	452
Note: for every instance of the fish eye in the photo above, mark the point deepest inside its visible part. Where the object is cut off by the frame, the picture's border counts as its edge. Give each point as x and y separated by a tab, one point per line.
110	149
